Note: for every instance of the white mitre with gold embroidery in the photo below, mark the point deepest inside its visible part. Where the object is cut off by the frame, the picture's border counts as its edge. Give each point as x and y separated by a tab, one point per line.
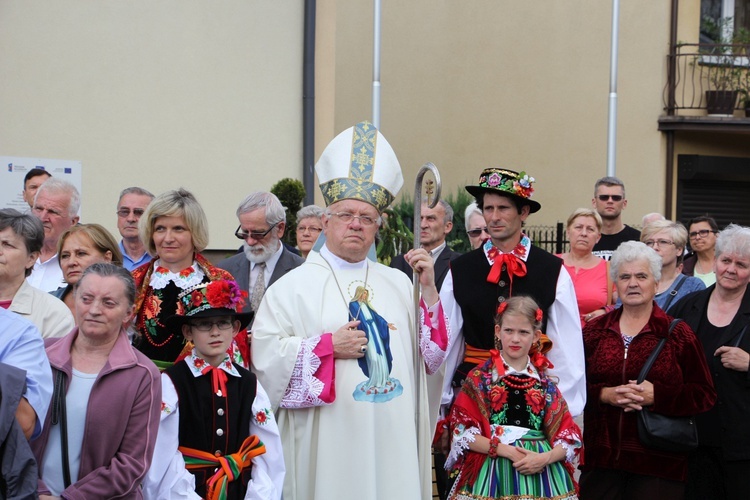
359	164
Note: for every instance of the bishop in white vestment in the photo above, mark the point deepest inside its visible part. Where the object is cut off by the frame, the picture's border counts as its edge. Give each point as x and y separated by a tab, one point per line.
333	344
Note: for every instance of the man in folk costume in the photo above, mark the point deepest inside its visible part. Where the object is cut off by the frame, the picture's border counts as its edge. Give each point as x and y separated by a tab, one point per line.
507	264
333	342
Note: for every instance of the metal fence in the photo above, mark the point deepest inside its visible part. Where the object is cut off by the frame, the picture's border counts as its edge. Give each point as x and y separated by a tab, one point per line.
550	238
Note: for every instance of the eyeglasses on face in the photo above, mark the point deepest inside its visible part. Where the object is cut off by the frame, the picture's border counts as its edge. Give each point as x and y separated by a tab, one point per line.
658	243
124	212
347	217
256	235
702	233
474	233
605	197
311	229
207	326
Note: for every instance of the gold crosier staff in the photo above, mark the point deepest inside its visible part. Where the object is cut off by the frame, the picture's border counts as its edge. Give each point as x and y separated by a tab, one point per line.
432	190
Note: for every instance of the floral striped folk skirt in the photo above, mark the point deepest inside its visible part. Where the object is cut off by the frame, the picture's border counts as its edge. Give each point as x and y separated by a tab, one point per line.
498	479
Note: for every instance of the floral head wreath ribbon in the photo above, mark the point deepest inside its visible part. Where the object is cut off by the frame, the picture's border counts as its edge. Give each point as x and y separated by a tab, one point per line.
514	265
537	351
538	315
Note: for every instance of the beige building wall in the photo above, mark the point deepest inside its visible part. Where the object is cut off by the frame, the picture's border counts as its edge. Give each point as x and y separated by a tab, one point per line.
522	85
157	93
208	95
706	142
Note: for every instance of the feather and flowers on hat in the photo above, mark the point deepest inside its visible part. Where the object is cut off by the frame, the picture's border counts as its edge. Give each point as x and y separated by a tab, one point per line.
517	185
215	298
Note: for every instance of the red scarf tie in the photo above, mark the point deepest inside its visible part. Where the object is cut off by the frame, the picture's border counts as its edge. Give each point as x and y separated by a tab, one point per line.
218	379
514	266
498	362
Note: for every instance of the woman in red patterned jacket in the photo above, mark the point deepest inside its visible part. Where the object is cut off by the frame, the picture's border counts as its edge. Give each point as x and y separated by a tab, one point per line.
175	230
616	464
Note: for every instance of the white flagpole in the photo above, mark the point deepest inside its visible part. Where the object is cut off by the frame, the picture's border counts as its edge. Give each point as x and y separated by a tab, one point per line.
376	66
612	122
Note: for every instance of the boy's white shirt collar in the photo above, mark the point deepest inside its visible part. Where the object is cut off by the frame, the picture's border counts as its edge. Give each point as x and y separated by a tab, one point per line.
196	364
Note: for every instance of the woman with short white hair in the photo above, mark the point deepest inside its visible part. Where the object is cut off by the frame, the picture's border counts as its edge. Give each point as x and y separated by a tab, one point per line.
720	317
616	347
668	239
476	226
309	227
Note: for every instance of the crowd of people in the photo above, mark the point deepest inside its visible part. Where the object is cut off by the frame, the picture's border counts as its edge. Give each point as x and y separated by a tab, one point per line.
140	369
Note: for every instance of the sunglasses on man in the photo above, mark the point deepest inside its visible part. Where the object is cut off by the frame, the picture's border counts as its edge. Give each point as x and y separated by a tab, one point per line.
605	197
476	232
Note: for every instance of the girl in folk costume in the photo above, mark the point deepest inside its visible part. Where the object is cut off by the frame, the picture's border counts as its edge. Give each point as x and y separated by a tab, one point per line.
512	434
218	438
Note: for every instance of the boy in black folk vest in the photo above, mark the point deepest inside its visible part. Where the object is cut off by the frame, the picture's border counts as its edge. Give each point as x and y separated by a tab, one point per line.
218	437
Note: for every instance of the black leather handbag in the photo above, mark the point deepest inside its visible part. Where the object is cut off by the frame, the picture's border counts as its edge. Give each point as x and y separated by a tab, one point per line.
660	432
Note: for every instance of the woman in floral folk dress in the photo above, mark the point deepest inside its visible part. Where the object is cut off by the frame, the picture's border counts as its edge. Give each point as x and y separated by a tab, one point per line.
512	433
175	230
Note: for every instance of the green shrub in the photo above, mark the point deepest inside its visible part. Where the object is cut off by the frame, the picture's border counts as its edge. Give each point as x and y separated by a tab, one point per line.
396	234
291	193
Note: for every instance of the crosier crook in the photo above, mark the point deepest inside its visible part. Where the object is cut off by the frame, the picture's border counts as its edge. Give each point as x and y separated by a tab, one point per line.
433	197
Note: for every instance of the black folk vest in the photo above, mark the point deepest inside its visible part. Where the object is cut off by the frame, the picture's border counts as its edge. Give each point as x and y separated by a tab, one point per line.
479	299
214	424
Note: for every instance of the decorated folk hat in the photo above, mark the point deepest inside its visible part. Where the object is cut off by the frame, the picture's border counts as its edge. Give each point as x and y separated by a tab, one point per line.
506	183
206	300
359	164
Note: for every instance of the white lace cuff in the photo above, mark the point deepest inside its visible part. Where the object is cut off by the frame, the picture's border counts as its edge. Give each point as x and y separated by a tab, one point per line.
460	440
571	443
304	388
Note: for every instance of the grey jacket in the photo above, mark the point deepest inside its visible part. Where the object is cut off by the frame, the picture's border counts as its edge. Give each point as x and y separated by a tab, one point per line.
239	267
18	470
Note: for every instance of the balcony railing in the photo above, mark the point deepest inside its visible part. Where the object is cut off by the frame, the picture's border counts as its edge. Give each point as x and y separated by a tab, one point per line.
694	68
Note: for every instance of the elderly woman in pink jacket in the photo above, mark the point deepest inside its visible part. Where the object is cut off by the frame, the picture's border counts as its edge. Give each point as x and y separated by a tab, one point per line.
100	432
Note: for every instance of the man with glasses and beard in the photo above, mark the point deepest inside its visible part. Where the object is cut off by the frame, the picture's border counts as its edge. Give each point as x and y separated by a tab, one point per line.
609	201
264	259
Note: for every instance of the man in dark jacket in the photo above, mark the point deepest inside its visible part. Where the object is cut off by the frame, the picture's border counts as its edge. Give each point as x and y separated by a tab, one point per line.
434	227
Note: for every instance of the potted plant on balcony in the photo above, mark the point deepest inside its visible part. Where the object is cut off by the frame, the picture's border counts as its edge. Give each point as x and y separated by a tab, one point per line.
722	71
721	100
